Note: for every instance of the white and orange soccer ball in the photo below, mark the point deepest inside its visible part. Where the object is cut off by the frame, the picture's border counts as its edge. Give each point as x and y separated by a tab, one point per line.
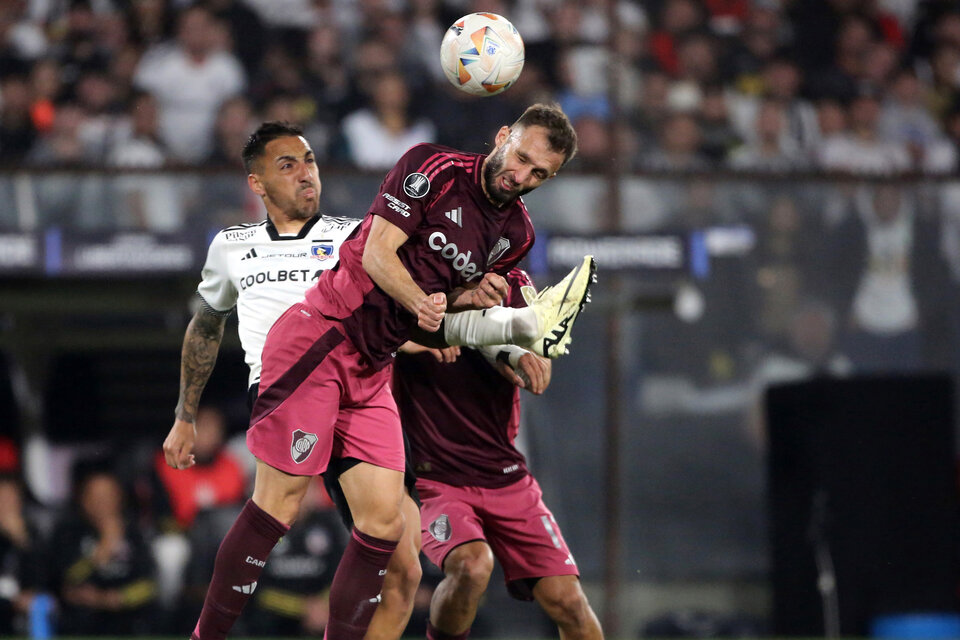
482	54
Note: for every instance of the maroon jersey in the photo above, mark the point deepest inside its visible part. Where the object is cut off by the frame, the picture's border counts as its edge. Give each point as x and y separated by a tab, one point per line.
462	418
455	235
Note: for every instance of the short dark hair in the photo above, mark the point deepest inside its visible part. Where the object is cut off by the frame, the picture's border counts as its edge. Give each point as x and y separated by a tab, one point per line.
561	134
265	133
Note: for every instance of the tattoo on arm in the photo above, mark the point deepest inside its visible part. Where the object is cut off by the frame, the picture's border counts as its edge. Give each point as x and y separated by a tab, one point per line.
200	346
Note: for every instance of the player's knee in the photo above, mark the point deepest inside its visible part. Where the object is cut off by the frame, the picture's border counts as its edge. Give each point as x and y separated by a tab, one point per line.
384	522
471	567
567	607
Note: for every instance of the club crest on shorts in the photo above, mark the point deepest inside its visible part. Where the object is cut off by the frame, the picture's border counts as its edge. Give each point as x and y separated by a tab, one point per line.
416	185
302	445
440	528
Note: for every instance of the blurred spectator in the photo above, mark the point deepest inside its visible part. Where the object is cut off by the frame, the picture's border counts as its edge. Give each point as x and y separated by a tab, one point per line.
376	137
326	76
943	156
677	18
764	35
831	119
887	277
136	138
21	39
21	558
234	124
291	597
371	58
191	78
841	79
653	106
783	263
17	131
770	150
45	91
945	67
583	82
905	119
697	59
881	64
863	150
279	73
151	202
150	21
77	46
423	32
248	34
780	80
719	136
100	566
96	96
64	143
593	149
679	147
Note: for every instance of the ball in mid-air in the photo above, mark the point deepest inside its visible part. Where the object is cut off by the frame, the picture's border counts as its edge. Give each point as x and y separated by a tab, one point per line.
482	54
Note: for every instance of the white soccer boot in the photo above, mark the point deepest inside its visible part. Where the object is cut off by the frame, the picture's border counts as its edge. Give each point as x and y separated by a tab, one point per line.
557	308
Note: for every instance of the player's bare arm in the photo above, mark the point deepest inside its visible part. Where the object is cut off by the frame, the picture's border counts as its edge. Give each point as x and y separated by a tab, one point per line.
201	343
491	291
382	264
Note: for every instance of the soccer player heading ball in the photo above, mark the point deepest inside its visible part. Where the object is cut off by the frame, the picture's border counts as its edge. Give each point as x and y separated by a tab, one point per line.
439	235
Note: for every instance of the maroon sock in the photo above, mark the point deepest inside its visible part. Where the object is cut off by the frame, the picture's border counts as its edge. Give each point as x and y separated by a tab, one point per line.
240	559
355	591
435	634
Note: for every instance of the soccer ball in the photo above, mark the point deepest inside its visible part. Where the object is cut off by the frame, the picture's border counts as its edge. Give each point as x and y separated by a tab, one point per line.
482	54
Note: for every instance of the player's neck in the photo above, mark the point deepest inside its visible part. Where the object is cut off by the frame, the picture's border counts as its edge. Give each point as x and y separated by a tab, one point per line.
287	226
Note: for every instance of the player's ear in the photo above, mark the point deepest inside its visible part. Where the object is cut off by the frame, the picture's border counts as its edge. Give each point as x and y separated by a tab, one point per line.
502	135
253	181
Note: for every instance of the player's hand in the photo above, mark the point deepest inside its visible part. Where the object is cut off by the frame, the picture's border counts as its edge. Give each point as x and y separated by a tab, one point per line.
491	291
178	447
532	373
446	355
430	311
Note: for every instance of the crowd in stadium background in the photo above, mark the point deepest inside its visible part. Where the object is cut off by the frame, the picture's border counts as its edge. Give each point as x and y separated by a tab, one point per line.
861	85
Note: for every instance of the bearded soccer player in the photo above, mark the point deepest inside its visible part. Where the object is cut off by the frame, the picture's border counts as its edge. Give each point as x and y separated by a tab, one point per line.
479	500
442	226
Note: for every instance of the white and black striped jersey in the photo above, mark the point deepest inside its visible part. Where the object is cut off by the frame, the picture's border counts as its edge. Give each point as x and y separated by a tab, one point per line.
261	273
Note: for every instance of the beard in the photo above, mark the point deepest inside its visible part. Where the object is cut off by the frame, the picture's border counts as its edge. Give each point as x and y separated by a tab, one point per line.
490	170
295	208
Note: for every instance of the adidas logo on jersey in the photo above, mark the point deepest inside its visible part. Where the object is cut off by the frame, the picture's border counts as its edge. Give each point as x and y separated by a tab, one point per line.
250	254
456	215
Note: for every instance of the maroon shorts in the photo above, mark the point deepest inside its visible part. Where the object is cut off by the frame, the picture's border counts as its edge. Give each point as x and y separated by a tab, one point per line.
318	398
513	520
